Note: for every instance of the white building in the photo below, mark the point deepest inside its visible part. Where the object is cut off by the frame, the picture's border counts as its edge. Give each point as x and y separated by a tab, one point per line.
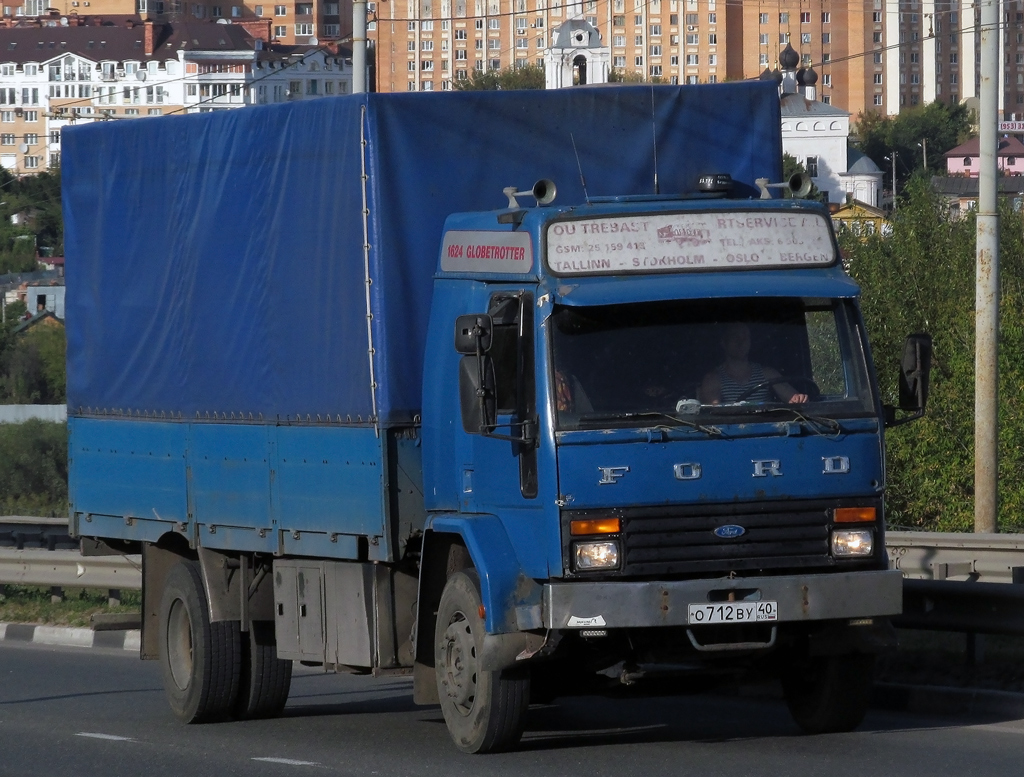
577	56
74	69
817	135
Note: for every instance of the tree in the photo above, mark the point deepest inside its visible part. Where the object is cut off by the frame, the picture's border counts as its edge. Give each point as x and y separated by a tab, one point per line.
528	77
616	76
37	196
32	367
938	126
34	468
921	278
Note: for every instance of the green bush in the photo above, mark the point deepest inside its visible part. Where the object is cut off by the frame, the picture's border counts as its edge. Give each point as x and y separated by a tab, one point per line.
34	468
922	278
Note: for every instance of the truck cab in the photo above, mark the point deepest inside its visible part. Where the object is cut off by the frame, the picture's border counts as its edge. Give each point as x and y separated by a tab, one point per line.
663	459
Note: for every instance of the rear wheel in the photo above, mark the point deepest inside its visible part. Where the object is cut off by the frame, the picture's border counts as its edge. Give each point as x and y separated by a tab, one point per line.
828	694
265	679
485	710
200	659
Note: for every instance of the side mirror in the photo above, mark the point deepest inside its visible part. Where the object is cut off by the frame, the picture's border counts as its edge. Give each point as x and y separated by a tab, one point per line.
915	372
473	334
476	394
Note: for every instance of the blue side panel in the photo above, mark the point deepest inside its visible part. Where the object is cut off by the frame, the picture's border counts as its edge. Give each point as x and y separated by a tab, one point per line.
128	469
330	480
311	491
230	482
433	155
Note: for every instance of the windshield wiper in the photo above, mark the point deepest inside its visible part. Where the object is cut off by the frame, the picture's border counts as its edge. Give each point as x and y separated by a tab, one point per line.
710	430
819	424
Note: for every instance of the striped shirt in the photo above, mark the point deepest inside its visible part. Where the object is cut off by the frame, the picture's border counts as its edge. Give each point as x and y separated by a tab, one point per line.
732	389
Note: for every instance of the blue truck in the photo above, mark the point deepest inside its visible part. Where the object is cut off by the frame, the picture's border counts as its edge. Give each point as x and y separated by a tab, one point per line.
365	396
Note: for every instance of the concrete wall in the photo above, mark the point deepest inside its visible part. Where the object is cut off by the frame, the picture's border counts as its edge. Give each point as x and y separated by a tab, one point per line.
16	414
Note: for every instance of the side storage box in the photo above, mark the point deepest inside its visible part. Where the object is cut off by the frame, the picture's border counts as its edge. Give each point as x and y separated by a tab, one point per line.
343	614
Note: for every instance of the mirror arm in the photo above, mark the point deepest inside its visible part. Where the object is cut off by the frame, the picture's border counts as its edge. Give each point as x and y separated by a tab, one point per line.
891	421
481	392
526	438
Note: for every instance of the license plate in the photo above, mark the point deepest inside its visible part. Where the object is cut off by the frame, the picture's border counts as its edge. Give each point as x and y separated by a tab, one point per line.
733	612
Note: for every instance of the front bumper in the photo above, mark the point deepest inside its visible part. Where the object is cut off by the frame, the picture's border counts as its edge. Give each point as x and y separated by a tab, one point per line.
619	605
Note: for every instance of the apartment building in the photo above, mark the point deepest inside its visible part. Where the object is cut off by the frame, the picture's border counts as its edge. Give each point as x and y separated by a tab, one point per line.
292	22
880	55
90	69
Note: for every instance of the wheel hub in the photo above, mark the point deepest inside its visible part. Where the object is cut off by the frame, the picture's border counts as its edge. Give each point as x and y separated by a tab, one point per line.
179	644
458	649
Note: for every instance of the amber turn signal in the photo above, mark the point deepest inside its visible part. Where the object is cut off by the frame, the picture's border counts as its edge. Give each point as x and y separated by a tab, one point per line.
854	514
595	526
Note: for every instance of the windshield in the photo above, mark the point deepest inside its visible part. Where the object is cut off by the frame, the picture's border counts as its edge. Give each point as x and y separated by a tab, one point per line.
707	361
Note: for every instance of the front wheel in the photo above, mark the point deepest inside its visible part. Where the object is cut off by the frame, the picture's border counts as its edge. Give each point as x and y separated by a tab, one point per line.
200	659
485	711
829	694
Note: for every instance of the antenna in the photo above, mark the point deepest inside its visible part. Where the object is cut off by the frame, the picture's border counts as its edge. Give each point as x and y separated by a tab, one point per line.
654	135
583	181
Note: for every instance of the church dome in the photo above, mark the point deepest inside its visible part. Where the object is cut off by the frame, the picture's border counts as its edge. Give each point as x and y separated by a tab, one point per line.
789	59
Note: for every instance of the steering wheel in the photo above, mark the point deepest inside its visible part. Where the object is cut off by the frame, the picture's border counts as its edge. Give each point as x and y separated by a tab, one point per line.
812	390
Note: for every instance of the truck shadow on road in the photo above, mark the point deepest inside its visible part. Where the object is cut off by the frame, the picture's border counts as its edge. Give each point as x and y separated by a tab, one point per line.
710	718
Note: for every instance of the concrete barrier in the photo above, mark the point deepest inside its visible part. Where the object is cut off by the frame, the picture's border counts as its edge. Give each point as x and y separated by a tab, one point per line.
17	414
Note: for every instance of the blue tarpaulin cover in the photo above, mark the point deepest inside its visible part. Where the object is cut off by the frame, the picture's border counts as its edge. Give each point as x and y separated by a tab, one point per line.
215	262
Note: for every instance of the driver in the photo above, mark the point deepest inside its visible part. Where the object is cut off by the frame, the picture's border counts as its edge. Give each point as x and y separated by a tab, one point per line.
737	375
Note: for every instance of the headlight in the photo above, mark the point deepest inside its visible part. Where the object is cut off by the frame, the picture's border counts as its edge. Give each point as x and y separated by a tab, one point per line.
597	555
852	542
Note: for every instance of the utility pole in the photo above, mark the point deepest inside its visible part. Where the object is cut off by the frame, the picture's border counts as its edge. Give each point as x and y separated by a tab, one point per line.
892	158
986	359
358	46
924	151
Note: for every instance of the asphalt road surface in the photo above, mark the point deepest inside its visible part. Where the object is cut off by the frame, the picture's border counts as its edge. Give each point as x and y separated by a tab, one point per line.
95	712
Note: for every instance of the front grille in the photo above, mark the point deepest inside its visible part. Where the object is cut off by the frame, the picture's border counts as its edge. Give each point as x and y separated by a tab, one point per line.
674	544
680	541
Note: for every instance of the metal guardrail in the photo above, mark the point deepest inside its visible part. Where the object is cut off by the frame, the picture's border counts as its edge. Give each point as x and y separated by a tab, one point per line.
60	568
21	531
984	558
960	582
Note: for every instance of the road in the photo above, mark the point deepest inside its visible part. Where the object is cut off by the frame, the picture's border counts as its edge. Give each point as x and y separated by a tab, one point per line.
98	712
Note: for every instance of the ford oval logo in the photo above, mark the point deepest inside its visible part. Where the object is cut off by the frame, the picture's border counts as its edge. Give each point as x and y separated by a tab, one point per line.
729	531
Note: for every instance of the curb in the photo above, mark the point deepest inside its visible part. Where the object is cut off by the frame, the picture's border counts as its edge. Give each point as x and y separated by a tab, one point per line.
64	636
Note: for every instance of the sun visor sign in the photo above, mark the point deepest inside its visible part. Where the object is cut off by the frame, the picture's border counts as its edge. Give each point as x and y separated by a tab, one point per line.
674	242
487	252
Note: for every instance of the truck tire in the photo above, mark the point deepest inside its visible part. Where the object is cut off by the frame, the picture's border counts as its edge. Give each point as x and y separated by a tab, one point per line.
829	694
265	679
485	711
200	660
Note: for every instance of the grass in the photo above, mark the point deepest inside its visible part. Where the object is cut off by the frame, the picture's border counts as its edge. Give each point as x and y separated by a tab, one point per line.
29	604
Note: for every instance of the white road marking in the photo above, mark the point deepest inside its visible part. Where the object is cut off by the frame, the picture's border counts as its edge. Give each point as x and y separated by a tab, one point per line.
287	761
110	737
